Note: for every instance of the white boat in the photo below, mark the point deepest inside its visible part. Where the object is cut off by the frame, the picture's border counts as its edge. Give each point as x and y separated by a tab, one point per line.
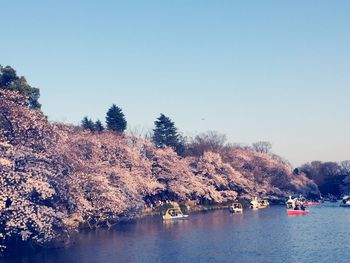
258	203
345	201
291	203
254	204
236	208
174	213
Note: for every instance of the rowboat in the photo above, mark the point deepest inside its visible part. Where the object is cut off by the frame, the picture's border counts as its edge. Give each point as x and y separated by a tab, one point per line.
292	212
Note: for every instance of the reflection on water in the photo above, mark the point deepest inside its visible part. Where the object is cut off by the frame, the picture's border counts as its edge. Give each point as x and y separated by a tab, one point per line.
266	235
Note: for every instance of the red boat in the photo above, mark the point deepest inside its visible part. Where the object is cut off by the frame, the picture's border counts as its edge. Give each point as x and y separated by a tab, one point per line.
292	212
311	203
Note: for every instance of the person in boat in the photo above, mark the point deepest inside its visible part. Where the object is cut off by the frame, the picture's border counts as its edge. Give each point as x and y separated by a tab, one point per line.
302	207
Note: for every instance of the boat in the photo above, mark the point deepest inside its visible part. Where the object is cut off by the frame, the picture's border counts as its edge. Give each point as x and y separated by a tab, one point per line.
291	203
236	208
258	203
345	202
254	204
293	212
174	213
263	203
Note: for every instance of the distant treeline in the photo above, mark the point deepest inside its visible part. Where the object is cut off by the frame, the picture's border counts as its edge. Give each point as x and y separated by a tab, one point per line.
331	177
166	134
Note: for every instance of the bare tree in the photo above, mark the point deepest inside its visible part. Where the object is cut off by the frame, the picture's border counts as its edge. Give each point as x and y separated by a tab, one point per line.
137	131
345	167
262	147
211	141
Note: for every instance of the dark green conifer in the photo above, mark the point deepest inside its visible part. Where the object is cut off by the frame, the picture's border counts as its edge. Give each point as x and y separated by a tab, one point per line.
98	126
115	119
88	124
165	134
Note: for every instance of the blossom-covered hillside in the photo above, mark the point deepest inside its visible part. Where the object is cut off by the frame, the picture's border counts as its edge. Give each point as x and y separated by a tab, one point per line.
55	178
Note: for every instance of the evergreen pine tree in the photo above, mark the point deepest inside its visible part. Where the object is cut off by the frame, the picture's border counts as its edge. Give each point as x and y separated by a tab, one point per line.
165	133
98	126
115	119
88	124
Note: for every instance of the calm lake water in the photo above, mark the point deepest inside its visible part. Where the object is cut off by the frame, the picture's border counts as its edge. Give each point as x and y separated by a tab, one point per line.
266	235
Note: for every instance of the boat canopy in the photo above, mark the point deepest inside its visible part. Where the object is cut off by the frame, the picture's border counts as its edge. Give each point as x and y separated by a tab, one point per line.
237	205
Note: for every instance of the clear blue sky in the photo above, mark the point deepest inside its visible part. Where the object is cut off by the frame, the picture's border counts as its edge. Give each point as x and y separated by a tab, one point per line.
254	70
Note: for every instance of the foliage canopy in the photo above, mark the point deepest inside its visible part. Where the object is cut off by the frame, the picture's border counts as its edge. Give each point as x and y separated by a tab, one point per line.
10	81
